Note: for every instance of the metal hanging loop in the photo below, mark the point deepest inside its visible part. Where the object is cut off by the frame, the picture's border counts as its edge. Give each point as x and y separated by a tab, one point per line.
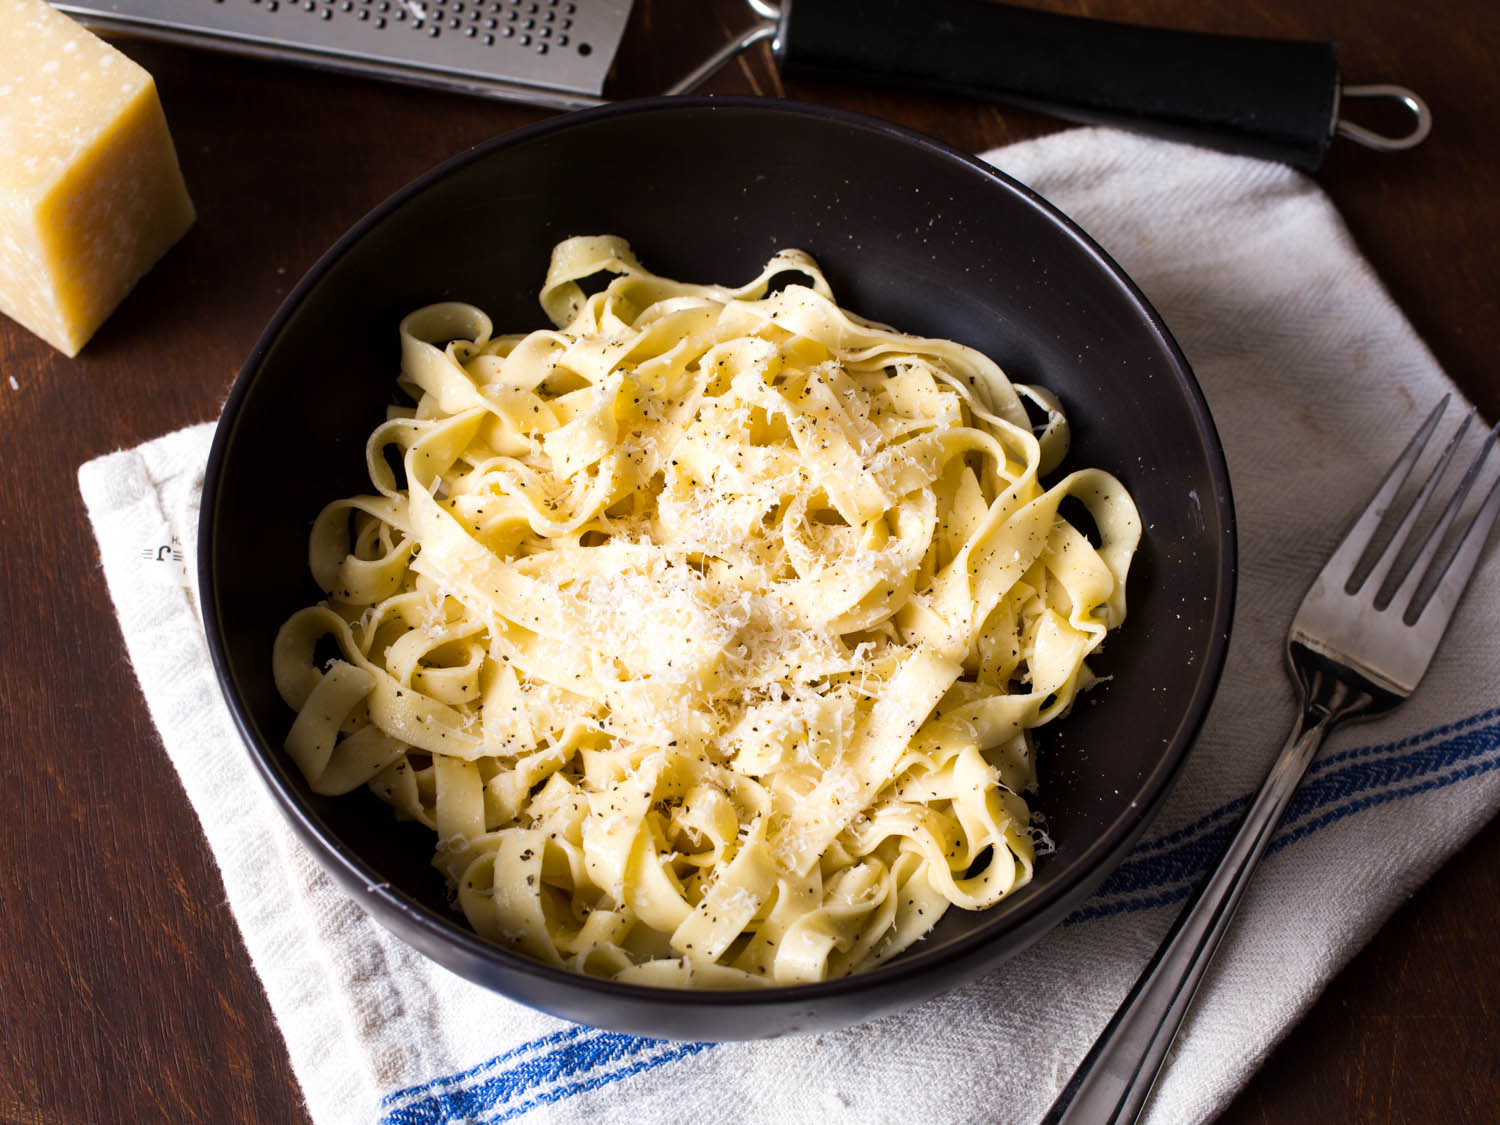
1421	118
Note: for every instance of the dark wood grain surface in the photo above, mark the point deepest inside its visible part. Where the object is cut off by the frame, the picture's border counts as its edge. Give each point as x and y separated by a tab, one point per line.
125	992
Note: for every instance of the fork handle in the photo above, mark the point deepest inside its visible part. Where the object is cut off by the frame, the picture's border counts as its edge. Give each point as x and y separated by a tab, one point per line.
1114	1080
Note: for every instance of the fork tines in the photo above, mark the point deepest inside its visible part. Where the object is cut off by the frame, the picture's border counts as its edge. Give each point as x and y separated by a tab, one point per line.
1443	559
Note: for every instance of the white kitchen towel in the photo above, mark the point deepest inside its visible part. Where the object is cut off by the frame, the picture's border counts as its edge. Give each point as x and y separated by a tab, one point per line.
1315	381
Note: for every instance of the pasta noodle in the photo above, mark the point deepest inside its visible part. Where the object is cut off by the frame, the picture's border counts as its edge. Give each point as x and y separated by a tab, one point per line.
707	630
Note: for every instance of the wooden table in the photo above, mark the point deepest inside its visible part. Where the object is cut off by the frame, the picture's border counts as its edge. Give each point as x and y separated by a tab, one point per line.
125	992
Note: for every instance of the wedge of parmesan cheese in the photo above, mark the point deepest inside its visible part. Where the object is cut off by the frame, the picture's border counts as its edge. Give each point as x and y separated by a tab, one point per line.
90	191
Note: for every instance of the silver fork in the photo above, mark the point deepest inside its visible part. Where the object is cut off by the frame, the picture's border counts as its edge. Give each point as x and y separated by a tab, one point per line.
1362	639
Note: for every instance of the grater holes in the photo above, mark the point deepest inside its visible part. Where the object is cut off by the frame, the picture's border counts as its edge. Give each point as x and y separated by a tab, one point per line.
542	27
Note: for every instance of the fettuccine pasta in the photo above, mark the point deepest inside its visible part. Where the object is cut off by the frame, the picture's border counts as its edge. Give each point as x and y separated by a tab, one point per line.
707	629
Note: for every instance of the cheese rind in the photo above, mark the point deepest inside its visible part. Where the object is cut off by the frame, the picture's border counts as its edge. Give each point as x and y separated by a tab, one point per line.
91	194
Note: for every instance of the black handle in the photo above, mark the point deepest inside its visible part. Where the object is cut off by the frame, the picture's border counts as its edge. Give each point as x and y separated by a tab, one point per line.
1270	98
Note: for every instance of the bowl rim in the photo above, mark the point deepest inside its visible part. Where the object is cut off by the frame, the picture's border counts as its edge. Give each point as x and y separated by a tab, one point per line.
1039	913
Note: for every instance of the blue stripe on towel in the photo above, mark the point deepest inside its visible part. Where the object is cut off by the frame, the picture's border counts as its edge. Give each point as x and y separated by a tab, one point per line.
1473	769
674	1052
1232	810
566	1064
1348	782
1326	761
563	1036
1160	872
1368	774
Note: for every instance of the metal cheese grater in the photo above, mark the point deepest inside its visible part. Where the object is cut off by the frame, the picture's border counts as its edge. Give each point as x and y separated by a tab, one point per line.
546	52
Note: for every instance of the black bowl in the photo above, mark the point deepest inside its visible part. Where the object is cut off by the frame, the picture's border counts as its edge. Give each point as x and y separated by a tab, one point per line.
911	233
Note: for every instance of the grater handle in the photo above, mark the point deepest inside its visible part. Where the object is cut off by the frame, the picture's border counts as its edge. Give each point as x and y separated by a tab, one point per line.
1270	98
